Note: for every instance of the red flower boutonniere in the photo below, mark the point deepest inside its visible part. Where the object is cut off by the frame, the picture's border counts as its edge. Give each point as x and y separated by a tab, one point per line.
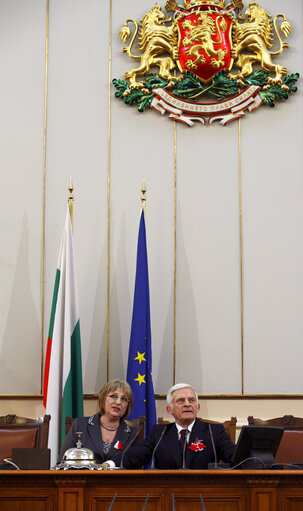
118	445
197	446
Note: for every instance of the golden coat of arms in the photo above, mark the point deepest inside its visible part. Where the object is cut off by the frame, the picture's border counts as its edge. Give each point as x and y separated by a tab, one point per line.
212	62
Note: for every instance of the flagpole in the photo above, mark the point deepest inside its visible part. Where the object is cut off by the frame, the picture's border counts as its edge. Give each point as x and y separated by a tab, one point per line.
71	201
139	367
143	198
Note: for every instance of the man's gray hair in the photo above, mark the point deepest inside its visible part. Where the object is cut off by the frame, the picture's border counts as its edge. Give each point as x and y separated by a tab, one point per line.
169	397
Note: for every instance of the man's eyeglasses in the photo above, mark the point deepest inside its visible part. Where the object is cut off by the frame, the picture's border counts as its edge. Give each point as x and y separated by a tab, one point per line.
115	397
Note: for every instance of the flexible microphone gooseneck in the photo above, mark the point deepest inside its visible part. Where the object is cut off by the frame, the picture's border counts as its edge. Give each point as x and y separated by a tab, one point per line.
216	465
111	504
129	445
145	503
173	501
202	502
213	444
152	467
183	453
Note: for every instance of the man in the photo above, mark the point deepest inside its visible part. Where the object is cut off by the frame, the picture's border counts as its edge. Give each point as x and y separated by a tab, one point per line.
162	447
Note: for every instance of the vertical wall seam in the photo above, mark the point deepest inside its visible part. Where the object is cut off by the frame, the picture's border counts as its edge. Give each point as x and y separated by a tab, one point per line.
43	191
175	251
241	252
108	187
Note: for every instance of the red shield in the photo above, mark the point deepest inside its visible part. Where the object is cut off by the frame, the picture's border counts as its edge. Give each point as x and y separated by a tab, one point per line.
205	43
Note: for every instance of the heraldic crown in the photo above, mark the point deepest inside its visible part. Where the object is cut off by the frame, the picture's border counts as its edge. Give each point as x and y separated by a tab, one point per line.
206	49
189	4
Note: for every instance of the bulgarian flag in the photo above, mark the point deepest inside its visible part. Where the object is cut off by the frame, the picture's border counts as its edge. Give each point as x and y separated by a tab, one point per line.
62	387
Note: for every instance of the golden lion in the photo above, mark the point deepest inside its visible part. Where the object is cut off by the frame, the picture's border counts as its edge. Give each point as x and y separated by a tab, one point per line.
154	39
203	33
256	35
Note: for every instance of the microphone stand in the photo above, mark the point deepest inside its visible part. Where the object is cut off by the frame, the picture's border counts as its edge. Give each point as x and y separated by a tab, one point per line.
145	503
173	501
111	504
202	502
152	467
129	445
213	465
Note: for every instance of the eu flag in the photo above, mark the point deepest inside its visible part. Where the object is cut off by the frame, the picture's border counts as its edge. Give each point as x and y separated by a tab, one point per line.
139	369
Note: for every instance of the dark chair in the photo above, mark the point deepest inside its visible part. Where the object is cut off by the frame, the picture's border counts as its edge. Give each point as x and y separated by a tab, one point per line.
22	432
229	425
135	423
291	446
68	423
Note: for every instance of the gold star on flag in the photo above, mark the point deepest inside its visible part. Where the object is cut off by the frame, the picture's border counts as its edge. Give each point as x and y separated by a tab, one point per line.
140	357
140	379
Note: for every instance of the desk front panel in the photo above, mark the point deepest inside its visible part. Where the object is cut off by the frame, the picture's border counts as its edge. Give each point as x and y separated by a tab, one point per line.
166	489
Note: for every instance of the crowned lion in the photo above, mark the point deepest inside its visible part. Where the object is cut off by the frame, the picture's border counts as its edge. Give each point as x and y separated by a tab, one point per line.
203	33
154	39
254	37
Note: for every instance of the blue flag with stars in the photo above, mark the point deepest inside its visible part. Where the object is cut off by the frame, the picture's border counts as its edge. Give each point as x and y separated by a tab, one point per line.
139	369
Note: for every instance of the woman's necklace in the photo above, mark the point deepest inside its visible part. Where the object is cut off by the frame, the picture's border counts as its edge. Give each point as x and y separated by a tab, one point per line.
109	429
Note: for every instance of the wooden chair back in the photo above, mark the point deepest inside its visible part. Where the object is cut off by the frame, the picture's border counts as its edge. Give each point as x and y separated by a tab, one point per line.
229	425
22	432
288	422
290	449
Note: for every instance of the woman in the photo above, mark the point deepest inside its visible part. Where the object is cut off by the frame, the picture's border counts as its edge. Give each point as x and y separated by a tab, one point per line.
105	433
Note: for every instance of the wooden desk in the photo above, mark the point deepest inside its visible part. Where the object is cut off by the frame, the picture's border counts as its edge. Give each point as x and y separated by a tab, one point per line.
241	490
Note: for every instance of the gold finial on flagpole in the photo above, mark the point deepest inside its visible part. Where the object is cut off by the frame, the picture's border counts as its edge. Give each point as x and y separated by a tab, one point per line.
143	198
71	201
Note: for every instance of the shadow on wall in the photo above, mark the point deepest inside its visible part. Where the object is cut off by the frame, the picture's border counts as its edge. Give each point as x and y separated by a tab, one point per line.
94	375
166	361
121	311
188	351
20	360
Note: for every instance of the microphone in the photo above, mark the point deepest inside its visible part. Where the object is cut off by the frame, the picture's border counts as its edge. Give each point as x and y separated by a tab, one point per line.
183	453
129	445
173	501
111	504
152	467
202	502
213	465
147	495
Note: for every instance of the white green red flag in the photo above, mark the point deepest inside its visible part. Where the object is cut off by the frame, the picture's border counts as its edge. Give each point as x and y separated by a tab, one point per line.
62	388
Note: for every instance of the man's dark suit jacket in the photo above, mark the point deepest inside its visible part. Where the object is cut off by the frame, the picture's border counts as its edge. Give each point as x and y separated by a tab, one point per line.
198	453
91	438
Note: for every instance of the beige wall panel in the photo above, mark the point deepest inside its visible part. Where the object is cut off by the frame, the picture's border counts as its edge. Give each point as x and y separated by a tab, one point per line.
272	225
208	254
142	146
81	142
22	56
77	132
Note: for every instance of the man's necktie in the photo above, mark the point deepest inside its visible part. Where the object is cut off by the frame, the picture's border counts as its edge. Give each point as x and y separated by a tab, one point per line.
182	440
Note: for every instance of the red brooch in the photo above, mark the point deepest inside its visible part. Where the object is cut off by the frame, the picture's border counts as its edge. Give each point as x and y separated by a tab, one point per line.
118	445
197	446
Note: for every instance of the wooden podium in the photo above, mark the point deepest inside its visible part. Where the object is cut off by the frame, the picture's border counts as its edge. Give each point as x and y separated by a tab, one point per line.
84	490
